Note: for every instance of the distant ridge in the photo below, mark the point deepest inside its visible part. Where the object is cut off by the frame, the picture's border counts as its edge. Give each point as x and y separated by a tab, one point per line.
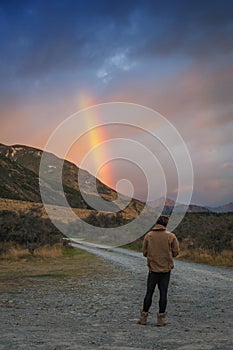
169	205
226	208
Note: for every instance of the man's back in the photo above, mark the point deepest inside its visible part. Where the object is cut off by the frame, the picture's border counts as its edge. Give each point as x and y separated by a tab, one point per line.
160	246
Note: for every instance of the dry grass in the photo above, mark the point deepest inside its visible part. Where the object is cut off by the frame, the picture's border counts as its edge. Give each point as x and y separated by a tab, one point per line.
57	212
14	252
223	259
53	252
19	268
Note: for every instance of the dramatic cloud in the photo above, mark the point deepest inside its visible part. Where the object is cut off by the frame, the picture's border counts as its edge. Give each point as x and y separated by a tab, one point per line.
173	56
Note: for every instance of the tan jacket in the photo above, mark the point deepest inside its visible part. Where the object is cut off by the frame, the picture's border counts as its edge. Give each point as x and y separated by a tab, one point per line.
160	247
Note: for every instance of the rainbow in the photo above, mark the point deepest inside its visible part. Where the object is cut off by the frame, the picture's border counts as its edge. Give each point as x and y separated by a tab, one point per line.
93	138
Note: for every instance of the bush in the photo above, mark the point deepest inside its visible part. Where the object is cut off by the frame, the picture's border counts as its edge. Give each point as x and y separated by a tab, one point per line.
209	231
28	229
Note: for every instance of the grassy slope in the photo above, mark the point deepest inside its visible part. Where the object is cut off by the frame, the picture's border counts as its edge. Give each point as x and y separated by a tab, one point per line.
17	182
59	213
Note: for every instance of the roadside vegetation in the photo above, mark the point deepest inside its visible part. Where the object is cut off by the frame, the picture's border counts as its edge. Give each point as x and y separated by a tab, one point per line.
32	250
207	238
204	238
28	229
27	236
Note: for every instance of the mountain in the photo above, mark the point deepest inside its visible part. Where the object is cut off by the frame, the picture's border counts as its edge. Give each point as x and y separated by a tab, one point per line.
226	208
29	158
161	202
19	180
197	209
19	176
164	205
167	205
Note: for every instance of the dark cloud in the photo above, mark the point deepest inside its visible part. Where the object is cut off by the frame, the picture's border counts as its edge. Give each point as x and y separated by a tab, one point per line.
172	55
39	37
195	28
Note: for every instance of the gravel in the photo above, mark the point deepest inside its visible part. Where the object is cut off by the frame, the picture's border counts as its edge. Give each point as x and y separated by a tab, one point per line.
101	312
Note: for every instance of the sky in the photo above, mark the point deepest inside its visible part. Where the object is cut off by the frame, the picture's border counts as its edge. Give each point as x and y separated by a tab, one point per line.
175	57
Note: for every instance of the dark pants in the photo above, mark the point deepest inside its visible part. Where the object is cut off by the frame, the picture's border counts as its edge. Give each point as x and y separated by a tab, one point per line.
162	279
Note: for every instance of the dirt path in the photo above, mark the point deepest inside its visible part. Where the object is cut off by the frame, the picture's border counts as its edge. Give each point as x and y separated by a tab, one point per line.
101	313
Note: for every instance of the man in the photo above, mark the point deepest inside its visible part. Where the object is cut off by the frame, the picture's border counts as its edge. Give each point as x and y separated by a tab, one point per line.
159	247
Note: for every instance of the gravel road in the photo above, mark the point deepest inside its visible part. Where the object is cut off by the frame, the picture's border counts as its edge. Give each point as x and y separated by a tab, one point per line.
101	313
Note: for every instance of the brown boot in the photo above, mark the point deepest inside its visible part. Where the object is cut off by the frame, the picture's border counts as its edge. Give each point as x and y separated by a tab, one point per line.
161	319
143	318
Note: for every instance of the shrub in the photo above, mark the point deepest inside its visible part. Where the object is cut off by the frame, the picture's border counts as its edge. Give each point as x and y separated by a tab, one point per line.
28	229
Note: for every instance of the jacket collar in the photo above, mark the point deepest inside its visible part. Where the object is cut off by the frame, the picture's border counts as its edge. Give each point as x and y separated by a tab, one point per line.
158	227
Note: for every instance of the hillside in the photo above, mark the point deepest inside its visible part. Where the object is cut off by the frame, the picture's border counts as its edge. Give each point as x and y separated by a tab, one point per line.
27	161
23	218
212	231
17	182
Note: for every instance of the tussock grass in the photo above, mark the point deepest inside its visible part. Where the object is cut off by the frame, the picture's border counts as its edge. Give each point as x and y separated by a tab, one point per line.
13	252
197	255
223	259
52	252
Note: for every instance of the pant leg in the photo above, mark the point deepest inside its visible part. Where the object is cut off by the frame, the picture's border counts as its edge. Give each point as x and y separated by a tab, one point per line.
151	283
163	288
